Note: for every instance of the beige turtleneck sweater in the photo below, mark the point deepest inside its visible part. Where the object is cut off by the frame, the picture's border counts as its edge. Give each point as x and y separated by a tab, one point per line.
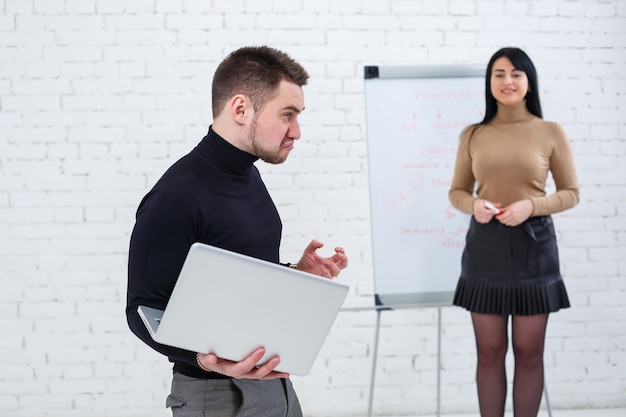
508	160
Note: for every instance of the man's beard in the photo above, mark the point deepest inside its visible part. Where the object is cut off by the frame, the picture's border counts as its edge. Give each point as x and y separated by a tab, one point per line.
263	153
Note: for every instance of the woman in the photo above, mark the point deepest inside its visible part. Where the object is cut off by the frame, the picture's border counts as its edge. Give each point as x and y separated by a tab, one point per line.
510	265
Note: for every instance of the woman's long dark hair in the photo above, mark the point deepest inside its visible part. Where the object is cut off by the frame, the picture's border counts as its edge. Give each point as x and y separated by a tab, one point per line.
522	62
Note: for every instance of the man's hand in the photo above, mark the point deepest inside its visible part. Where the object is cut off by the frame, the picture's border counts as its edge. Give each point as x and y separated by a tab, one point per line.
246	369
326	267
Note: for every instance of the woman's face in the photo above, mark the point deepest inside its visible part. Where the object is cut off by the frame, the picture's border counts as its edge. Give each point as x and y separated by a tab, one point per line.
508	84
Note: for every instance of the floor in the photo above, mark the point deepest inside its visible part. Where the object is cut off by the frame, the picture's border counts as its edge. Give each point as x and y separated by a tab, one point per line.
612	412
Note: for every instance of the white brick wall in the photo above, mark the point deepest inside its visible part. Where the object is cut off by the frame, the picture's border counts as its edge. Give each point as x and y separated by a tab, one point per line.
98	97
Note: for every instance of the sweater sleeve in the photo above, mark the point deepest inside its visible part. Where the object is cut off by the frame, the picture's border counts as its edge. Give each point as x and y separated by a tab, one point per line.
159	244
461	194
564	175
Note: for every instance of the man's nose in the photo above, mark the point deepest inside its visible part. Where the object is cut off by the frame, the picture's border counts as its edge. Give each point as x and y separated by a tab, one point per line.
294	131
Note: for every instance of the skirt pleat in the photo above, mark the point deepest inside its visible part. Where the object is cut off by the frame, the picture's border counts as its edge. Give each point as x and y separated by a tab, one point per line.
504	299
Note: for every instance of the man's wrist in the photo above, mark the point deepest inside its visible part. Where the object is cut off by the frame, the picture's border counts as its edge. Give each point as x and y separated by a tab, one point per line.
200	364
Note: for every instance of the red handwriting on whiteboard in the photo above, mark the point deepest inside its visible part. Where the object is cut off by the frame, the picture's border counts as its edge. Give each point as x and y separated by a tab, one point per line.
437	182
403	192
445	238
450	125
453	244
421	231
418	165
408	127
412	125
439	151
450	212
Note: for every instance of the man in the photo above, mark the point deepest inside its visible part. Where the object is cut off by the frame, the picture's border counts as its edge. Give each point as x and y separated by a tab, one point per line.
215	195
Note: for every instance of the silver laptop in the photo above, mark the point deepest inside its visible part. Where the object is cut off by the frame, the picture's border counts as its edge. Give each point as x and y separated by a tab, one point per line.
230	304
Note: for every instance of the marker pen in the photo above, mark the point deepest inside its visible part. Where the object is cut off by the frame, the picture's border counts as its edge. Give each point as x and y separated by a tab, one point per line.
493	208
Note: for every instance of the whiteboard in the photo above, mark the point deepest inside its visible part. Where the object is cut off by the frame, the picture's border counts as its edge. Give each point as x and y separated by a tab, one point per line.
414	119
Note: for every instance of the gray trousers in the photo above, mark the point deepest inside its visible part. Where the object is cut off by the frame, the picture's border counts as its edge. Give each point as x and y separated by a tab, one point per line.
193	397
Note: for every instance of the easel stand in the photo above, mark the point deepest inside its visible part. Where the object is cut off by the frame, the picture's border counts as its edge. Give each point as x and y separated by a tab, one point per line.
379	310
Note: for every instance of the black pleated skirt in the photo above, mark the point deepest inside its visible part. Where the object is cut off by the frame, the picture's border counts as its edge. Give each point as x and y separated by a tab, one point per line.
511	270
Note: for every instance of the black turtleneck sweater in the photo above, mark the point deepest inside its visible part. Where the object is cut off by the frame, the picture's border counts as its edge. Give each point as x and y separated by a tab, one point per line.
213	195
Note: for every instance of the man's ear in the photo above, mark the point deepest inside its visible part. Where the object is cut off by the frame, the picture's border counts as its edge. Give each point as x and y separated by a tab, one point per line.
240	109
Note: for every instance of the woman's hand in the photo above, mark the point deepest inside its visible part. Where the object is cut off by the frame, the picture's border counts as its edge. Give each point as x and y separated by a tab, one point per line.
482	214
516	213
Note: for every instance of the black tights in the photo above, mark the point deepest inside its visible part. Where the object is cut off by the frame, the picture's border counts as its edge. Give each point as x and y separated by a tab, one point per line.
528	335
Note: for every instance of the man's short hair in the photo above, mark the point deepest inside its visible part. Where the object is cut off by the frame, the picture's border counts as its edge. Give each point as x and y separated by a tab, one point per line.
256	72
